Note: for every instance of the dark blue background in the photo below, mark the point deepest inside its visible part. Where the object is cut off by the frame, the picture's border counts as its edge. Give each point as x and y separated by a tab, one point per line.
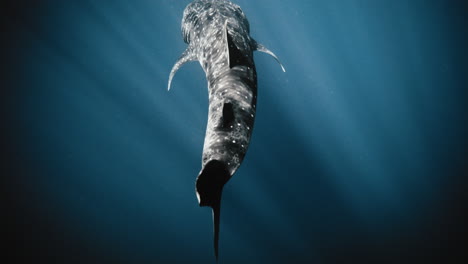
358	154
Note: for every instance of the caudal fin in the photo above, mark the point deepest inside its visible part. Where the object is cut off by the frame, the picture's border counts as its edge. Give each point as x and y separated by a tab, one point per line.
209	188
216	215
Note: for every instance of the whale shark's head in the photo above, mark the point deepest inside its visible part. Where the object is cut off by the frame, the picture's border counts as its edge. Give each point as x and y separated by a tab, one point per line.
199	15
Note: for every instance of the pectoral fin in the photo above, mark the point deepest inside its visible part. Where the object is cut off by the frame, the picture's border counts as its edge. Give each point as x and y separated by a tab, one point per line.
187	56
263	49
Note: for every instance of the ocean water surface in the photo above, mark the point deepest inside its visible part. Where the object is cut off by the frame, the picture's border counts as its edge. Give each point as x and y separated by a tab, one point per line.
358	154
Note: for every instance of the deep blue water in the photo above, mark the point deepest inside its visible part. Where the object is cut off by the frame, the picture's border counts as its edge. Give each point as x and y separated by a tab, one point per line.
358	154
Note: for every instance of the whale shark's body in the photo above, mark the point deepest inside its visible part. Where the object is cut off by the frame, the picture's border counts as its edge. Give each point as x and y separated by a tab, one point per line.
217	34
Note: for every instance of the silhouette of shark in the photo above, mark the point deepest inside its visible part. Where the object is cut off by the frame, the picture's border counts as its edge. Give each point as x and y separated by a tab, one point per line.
217	34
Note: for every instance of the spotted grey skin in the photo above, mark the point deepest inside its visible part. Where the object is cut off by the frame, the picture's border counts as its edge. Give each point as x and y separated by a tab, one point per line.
218	36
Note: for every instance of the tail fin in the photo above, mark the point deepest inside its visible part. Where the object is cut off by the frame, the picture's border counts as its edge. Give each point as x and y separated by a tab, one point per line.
209	188
216	215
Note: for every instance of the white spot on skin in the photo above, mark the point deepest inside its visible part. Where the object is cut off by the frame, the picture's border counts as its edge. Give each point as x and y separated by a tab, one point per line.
213	58
233	141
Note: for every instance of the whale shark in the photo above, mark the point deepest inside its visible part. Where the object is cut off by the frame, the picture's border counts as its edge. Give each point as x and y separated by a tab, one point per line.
218	36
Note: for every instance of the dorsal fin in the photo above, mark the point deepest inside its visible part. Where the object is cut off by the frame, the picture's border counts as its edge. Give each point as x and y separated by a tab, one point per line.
228	115
235	55
261	48
225	31
187	56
